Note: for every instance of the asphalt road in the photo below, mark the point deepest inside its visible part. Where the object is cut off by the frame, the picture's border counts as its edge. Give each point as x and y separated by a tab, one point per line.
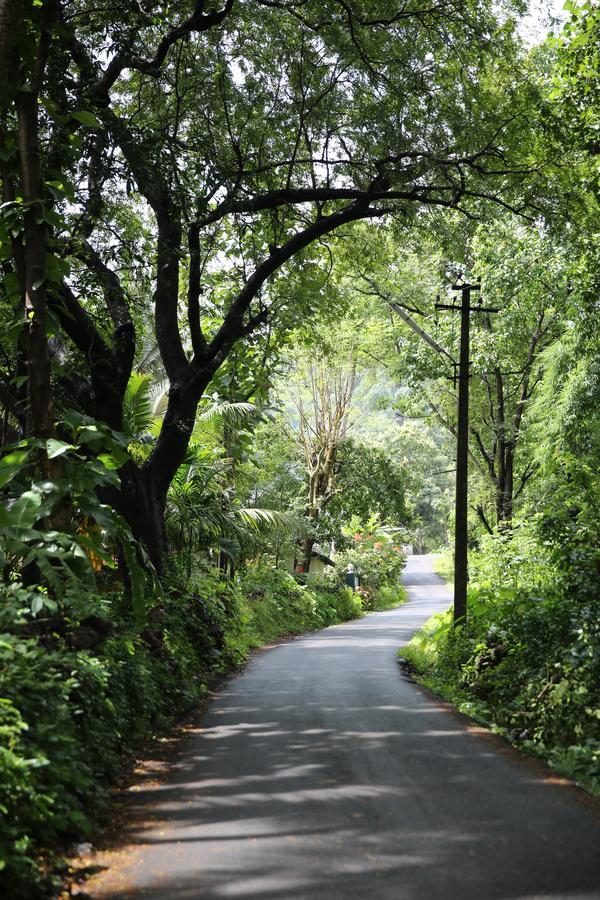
320	772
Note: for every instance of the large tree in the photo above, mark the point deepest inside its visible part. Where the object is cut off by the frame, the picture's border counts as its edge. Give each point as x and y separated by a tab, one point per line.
182	160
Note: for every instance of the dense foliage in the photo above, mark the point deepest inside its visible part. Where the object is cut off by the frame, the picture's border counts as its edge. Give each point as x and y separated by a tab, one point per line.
223	231
185	164
528	660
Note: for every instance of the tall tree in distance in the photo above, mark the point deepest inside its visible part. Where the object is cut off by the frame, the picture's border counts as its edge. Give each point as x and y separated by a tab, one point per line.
324	420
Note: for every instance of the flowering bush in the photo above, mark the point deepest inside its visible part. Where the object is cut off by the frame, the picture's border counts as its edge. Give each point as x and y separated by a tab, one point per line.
377	559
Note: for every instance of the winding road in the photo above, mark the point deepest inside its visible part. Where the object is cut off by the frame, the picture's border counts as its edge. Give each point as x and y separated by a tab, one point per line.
321	773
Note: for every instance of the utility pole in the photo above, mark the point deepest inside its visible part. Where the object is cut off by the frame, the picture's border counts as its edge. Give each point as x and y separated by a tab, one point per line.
462	447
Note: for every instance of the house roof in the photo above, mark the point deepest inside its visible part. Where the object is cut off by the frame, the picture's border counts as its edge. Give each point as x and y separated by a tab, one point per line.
324	559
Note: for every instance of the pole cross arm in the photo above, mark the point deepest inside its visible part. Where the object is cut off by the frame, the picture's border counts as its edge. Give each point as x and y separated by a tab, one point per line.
456	308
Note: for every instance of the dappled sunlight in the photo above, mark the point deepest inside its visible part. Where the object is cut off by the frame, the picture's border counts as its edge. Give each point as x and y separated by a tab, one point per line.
355	785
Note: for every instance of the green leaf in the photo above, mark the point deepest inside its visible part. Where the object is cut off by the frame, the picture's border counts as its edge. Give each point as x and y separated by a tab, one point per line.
56	448
11	285
270	519
37	604
108	461
137	404
23	512
86	118
93	436
60	189
138	581
11	465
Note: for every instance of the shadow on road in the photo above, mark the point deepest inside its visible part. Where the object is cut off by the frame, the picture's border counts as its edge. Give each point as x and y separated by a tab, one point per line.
301	825
319	773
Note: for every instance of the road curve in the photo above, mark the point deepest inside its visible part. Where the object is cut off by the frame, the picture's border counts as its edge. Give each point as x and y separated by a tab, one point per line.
321	773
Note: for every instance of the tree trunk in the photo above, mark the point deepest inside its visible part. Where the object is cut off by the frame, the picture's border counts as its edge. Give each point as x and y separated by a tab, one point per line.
143	508
307	548
320	491
509	483
175	434
142	499
35	248
500	448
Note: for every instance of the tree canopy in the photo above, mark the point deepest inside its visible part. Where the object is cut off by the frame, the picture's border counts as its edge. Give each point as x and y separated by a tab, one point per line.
185	164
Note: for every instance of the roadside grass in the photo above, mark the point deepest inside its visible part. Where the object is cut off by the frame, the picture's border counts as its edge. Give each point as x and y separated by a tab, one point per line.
444	566
499	687
388	597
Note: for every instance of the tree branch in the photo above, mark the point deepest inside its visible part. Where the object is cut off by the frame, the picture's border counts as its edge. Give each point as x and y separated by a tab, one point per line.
529	471
488	459
123	338
295	196
106	394
484	521
525	394
233	326
194	291
198	21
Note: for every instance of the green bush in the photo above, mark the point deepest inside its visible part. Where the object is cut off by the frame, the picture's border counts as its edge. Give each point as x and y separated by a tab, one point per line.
275	604
27	799
68	720
335	603
389	596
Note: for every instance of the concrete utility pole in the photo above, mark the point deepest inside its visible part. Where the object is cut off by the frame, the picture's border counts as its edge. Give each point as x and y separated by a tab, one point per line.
462	447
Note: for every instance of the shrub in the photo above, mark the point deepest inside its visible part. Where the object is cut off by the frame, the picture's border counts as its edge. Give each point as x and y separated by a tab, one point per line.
387	596
276	604
527	663
335	603
68	720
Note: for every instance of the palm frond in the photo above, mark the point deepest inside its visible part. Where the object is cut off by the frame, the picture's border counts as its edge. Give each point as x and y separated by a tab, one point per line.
137	404
270	520
235	414
159	395
149	360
